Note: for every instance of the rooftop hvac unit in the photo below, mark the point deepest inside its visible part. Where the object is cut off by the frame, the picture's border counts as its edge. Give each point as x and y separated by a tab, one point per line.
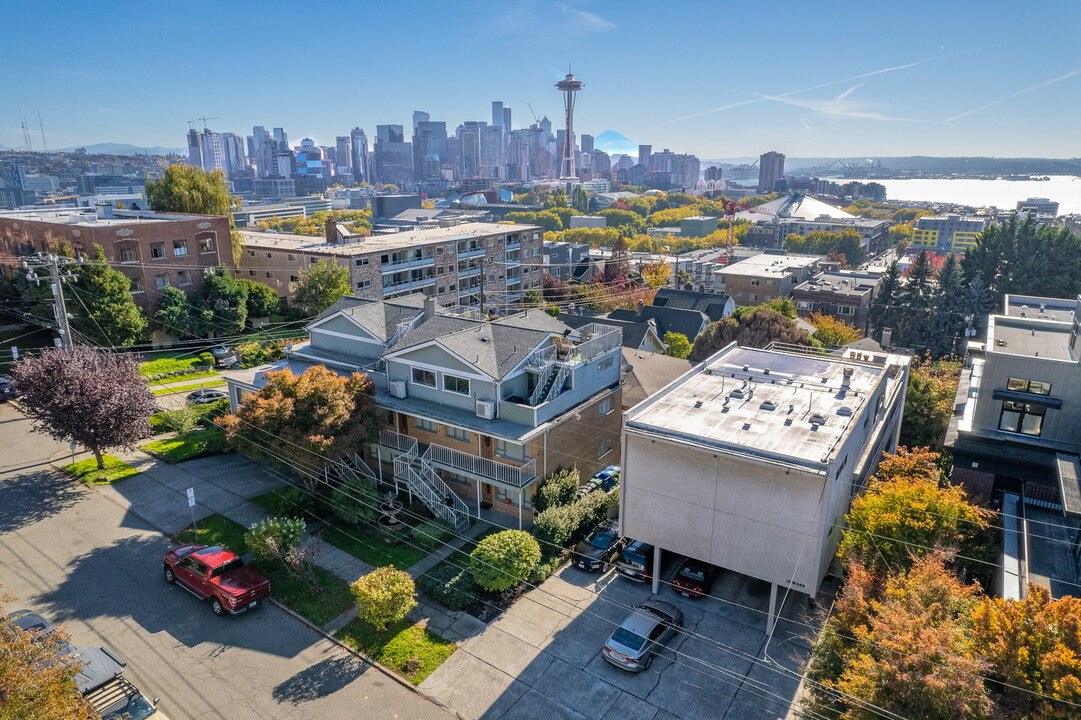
485	409
397	388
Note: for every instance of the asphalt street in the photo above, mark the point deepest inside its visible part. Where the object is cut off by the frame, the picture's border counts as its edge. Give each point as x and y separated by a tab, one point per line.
82	561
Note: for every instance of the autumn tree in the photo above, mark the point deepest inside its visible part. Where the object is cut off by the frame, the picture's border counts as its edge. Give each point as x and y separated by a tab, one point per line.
320	286
929	401
901	518
676	345
38	676
307	417
823	242
384	596
103	311
190	189
831	332
756	328
554	290
657	274
897	648
91	397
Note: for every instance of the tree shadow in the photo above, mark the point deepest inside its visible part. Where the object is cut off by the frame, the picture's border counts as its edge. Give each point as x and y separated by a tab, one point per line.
34	495
320	680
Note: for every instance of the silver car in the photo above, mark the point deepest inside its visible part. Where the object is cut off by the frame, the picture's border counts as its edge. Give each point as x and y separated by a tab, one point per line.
649	627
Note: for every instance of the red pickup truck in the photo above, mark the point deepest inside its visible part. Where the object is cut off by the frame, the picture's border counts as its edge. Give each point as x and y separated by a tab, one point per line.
217	574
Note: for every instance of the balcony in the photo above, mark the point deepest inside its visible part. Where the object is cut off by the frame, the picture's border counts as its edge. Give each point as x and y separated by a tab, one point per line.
514	244
469	272
409	264
475	252
515	476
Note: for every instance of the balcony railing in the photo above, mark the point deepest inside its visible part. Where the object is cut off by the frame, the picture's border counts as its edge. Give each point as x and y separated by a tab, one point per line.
406	264
514	475
471	253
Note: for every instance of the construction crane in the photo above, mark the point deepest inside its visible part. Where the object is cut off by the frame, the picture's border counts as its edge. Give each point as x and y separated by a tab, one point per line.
535	118
54	198
731	207
204	119
26	133
44	146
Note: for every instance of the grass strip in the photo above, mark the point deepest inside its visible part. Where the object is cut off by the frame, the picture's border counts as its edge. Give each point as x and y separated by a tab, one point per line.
186	388
192	445
87	471
407	648
217	530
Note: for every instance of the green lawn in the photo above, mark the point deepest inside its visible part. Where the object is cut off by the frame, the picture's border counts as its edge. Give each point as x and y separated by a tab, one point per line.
88	472
282	503
372	549
217	530
295	594
194	444
188	388
168	364
410	650
185	376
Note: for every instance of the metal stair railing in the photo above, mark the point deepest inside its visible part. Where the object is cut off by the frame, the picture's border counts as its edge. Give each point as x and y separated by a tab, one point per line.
557	384
428	489
542	379
459	510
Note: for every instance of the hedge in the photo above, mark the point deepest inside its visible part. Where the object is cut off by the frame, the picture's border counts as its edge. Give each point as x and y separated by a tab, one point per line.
451	587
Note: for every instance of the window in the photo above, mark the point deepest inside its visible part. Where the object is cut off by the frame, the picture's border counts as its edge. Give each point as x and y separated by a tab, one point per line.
129	255
771	283
512	451
459	434
183	278
157	251
268	255
251	253
180	248
364	283
755	283
270	275
1022	418
136	285
292	257
606	364
439	251
754	297
846	310
455	384
361	262
767	298
1030	386
604	407
441	290
804	305
425	425
251	273
604	448
206	245
423	377
441	270
294	278
161	281
385	259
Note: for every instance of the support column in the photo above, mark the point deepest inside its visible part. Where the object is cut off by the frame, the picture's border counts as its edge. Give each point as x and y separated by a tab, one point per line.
519	508
656	569
478	497
379	466
771	618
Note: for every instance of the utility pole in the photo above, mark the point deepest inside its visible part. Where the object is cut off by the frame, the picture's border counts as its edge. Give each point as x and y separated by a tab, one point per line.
52	263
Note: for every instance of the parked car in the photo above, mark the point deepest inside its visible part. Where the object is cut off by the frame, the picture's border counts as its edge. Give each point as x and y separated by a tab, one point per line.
223	356
102	683
218	575
694	578
636	561
599	550
7	388
634	643
586	489
38	627
205	396
606	479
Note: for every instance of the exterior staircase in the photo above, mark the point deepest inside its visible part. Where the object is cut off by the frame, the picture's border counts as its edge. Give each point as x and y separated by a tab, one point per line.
414	469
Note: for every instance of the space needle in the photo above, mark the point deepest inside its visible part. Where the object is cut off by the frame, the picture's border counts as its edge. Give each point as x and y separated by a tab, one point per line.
568	86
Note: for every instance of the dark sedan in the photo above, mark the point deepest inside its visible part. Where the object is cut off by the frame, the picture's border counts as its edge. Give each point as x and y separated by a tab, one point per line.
599	550
694	578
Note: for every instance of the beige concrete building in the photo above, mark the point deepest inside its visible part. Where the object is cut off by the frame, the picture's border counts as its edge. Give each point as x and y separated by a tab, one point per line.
764	277
444	262
750	461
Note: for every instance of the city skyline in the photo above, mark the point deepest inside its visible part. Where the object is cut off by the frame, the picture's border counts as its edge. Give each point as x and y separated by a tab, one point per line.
831	84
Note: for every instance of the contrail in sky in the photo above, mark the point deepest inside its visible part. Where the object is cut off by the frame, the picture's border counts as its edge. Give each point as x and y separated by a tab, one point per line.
816	87
1027	90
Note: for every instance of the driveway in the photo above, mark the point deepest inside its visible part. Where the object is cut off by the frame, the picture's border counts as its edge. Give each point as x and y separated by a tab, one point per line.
541	659
81	558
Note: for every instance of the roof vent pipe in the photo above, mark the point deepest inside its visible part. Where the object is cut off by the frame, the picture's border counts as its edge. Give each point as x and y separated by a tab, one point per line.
846	379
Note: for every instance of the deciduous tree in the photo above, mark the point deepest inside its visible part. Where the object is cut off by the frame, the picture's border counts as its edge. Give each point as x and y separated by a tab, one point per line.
756	328
657	274
929	401
831	332
676	345
189	189
384	596
320	286
95	398
262	300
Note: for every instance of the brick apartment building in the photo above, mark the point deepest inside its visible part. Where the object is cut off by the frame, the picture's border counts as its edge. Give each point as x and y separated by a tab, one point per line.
843	294
154	250
444	262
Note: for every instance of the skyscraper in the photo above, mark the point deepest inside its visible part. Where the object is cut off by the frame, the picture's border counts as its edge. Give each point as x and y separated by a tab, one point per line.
419	116
586	143
770	170
393	156
469	137
506	121
195	149
343	156
491	152
497	113
644	153
429	150
360	154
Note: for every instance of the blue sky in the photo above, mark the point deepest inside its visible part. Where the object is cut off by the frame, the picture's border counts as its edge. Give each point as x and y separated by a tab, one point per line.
716	79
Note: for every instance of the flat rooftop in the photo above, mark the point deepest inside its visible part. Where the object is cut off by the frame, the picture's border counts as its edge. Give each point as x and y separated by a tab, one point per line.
1028	337
841	283
784	407
376	243
767	264
87	217
1027	306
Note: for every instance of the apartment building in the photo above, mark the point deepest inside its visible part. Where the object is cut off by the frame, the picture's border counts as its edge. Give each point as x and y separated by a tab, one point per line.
154	250
843	294
770	233
764	277
947	233
749	461
476	411
445	262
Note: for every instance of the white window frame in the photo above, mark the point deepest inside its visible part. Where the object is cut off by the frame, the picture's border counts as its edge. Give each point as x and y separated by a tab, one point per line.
421	371
604	406
448	377
459	434
428	426
849	310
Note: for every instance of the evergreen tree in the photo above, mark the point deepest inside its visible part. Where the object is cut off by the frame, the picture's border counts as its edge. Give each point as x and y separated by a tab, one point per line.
977	304
887	301
103	310
221	305
320	286
173	314
948	320
917	305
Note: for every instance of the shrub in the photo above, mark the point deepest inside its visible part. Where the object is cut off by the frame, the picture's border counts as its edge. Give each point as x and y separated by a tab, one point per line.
556	525
544	569
433	533
449	586
206	359
500	561
273	538
384	596
181	421
297	500
559	488
355	500
593	508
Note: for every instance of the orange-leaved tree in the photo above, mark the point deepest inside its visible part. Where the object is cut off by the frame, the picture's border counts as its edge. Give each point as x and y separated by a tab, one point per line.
831	331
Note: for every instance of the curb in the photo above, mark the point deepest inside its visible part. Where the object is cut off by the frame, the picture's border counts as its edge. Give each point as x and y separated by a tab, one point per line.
377	665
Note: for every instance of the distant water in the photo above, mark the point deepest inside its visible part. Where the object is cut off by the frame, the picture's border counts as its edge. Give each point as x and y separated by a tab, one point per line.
1003	194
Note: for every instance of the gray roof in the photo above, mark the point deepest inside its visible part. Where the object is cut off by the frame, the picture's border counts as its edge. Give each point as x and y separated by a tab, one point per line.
649	373
380	318
634	332
668	319
708	303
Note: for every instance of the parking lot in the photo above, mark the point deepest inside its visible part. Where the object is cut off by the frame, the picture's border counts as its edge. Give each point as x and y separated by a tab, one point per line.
542	659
